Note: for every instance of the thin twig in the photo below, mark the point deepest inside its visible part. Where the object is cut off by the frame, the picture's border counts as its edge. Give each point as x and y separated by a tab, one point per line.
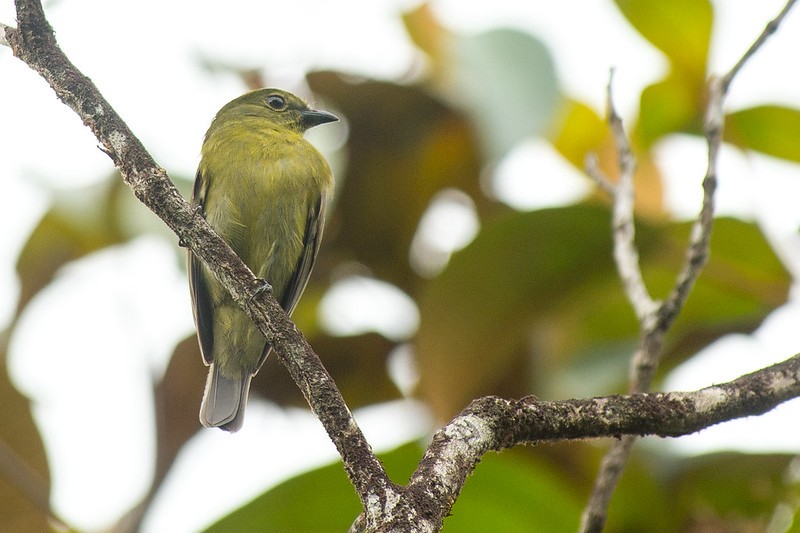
3	40
593	518
592	167
626	255
769	29
654	326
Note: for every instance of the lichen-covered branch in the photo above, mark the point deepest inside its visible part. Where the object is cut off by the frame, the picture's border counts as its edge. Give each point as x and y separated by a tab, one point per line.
655	321
34	43
494	424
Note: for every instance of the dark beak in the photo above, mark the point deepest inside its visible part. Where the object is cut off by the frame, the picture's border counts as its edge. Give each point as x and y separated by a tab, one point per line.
312	117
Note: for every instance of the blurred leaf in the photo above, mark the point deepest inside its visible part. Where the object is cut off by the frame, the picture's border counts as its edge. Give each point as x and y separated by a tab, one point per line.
769	129
580	132
734	294
504	79
426	32
679	28
80	222
19	433
674	104
177	404
357	365
476	316
733	491
682	30
177	398
507	81
641	501
726	492
509	492
794	527
535	291
404	147
319	501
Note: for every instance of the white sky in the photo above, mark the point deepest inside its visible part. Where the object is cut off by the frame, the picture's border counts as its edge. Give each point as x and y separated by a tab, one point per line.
143	57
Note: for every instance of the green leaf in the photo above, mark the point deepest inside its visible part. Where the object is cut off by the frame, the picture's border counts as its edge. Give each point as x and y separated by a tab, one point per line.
769	129
480	315
507	80
741	284
316	502
679	28
579	132
510	492
734	293
641	502
319	501
534	304
674	104
733	491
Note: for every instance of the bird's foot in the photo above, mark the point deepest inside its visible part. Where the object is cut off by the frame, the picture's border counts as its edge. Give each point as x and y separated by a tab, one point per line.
263	286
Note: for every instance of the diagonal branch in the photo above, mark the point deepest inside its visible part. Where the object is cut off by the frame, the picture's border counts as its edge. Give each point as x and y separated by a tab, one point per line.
486	424
33	42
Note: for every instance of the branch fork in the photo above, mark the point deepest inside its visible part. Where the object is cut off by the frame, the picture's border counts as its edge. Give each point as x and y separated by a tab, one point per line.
487	424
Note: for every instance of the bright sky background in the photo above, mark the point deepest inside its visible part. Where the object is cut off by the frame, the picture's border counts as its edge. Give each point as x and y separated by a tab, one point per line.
144	55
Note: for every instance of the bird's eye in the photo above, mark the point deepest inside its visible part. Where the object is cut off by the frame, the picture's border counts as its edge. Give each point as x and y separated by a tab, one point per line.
276	102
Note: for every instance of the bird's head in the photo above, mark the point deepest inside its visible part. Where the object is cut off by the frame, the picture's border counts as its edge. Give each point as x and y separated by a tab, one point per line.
280	107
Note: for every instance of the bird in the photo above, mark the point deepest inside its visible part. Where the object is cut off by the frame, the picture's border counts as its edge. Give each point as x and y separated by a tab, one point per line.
264	189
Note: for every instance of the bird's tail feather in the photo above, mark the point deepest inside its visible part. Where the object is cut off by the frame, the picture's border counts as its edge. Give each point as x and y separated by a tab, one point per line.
224	400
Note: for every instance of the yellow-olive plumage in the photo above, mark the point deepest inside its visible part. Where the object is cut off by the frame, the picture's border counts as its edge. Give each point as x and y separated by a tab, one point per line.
264	189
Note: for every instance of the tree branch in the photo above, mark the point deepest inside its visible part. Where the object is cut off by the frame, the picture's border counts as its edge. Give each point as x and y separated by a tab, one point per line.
626	255
654	323
33	42
487	424
494	424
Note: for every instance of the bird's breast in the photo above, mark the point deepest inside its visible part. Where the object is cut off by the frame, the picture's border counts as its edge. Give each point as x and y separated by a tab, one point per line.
260	188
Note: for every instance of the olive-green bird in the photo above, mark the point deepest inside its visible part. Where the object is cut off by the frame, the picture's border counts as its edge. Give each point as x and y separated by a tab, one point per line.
264	189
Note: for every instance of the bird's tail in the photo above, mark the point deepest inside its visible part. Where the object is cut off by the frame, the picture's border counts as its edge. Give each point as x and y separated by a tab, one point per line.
224	400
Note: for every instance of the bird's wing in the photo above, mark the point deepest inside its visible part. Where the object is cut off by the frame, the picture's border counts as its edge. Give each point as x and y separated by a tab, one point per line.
311	242
201	304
